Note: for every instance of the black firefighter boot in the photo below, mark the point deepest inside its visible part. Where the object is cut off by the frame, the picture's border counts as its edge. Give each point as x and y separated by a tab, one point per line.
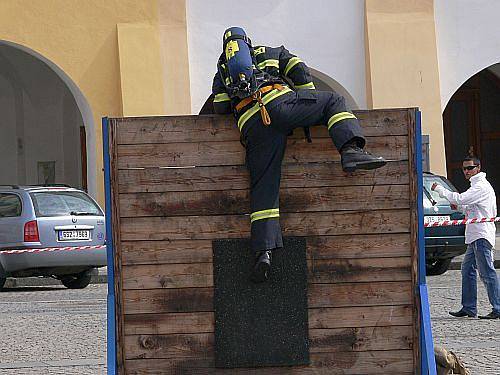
354	157
262	267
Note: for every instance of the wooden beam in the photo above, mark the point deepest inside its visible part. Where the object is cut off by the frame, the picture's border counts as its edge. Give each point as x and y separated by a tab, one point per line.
236	177
237	226
235	202
222	128
232	153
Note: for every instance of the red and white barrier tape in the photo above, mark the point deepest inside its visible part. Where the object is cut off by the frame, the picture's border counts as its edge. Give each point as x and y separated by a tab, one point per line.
50	249
447	223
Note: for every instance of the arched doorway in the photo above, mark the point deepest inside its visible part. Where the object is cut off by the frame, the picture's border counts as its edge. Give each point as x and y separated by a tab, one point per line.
47	129
471	126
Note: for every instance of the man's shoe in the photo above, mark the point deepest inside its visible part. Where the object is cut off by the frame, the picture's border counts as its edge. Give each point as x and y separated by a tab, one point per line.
491	315
262	267
461	313
354	157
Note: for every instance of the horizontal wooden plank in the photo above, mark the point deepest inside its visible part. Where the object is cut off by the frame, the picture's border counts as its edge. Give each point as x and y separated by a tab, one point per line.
236	177
318	247
191	345
319	295
319	318
222	128
166	251
360	339
168	300
388	362
365	316
359	246
360	294
151	276
359	270
320	341
238	201
232	153
164	324
200	275
237	226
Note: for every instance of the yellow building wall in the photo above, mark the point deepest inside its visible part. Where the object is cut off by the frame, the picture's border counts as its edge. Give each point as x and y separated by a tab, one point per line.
141	85
174	57
402	65
112	50
130	57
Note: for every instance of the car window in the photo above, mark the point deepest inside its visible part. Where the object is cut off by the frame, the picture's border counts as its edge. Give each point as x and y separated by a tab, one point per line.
63	203
427	202
10	205
438	201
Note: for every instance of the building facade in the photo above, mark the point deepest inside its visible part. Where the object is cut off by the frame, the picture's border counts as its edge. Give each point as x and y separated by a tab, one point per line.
65	64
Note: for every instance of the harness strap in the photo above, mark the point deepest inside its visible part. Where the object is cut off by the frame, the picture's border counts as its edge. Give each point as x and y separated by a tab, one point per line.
257	96
263	111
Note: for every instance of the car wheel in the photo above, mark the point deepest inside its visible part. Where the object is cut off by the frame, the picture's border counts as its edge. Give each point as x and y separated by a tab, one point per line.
436	267
2	282
78	281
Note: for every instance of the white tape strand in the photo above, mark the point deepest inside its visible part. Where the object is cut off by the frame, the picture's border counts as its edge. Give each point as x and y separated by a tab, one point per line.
448	223
50	249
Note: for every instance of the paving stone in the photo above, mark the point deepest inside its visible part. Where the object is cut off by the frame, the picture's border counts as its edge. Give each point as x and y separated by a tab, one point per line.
475	341
60	331
53	330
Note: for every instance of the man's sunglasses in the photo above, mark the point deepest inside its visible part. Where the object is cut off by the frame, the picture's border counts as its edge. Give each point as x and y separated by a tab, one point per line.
469	167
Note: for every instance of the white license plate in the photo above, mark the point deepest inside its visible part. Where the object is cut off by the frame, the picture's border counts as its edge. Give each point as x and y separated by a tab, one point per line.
435	219
73	235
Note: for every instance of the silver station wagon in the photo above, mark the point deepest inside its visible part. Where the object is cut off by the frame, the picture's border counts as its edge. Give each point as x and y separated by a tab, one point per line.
50	231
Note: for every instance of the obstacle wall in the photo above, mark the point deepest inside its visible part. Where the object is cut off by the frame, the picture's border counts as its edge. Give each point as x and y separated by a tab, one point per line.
178	183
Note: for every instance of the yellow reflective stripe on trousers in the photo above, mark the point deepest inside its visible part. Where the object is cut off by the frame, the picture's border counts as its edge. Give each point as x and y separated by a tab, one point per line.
339	117
224	97
264	214
291	63
269	62
255	108
309	86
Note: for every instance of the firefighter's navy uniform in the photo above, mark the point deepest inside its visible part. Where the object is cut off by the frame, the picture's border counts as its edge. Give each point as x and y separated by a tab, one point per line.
288	108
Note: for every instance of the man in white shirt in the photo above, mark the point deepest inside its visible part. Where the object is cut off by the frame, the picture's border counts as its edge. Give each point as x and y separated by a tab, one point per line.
478	201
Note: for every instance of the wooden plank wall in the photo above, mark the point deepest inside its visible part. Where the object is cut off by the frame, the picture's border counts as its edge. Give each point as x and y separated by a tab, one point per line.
180	182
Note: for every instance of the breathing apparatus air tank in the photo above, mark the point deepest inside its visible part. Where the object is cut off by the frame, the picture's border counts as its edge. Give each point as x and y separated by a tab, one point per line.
238	54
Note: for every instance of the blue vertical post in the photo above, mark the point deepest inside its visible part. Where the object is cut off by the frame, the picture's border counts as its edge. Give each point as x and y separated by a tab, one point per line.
427	359
111	343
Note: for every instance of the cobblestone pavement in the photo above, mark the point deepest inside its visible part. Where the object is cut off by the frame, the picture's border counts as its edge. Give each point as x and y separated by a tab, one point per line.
53	330
475	341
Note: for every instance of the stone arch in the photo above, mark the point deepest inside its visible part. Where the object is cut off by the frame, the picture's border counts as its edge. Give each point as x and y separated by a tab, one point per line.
470	125
327	83
80	102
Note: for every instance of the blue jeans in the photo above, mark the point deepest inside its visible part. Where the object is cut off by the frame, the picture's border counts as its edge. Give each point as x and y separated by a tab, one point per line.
479	256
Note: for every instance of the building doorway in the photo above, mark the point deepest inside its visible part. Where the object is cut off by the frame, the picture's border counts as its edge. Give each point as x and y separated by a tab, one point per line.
471	126
43	134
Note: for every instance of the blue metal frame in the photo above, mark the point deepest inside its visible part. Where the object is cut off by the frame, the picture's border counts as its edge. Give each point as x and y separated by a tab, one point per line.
111	344
427	359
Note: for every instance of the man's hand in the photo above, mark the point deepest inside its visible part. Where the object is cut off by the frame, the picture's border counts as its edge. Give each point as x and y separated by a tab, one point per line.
453	206
433	187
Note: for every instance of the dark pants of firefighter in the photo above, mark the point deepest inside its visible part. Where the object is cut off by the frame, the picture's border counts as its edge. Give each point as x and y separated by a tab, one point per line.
265	148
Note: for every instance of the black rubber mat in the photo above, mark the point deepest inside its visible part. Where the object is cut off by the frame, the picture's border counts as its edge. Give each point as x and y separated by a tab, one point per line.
260	324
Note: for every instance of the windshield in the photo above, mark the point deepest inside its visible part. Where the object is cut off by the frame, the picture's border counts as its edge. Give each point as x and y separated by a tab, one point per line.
431	197
64	203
